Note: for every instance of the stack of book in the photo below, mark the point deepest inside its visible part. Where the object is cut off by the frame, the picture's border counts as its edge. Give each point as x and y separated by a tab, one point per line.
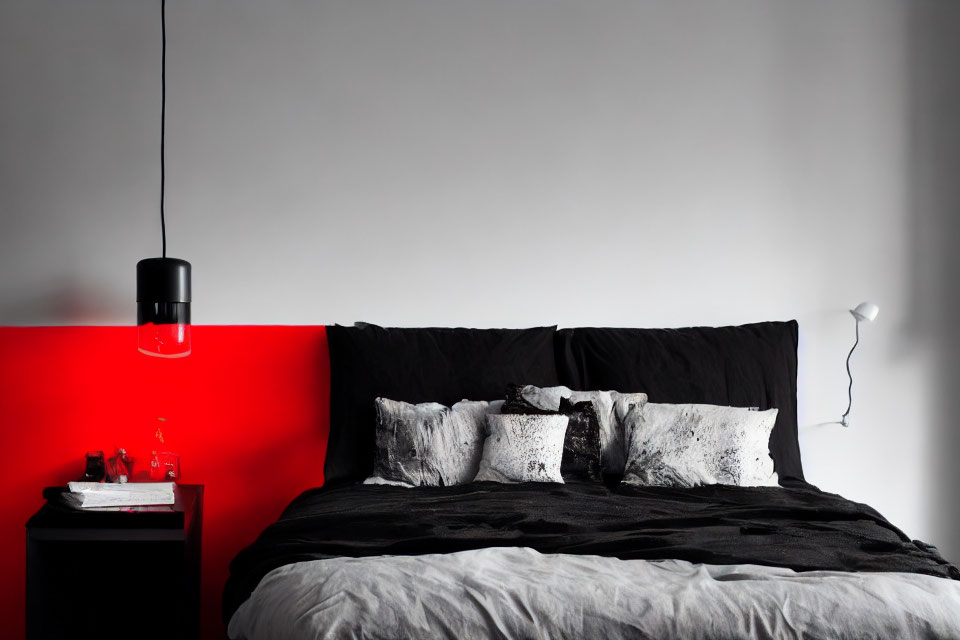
129	494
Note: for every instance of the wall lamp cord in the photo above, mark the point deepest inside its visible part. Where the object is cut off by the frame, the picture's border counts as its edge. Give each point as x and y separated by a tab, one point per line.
845	421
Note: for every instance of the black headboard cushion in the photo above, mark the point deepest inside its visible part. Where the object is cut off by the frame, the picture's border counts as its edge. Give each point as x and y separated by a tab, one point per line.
420	365
753	365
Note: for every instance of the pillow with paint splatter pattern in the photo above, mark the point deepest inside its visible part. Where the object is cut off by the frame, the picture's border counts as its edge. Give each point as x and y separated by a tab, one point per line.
610	407
686	445
523	448
429	444
581	445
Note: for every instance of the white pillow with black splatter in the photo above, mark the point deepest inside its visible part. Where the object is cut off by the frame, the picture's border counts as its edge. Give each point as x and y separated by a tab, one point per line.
686	445
429	444
611	408
523	448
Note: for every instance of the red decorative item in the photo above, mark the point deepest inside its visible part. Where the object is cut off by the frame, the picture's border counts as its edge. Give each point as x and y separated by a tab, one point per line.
164	467
119	466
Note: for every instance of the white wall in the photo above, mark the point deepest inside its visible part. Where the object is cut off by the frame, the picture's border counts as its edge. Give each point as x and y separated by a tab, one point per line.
499	163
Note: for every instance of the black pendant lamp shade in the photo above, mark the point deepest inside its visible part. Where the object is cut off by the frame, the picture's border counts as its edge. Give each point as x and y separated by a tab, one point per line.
163	307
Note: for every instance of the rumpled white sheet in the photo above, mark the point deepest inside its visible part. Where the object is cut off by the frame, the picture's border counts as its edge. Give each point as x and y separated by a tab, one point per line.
519	593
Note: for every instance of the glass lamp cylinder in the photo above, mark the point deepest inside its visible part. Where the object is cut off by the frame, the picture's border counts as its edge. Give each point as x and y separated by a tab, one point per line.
163	307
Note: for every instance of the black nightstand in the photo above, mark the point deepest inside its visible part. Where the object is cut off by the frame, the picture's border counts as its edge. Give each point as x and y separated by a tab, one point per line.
115	573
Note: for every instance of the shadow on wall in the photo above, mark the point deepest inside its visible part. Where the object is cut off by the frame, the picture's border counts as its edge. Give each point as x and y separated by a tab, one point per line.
67	303
934	202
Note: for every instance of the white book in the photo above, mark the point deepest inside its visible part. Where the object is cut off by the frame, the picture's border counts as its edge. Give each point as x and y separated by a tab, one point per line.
130	494
123	487
119	500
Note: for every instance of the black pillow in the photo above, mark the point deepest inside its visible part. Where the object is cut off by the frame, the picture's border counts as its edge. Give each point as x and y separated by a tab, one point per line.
581	444
753	365
419	365
514	402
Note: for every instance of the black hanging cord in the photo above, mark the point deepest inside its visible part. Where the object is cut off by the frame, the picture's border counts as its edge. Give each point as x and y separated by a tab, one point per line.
163	118
843	420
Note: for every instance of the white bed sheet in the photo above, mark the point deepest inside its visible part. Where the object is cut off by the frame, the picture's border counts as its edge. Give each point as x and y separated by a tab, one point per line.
515	592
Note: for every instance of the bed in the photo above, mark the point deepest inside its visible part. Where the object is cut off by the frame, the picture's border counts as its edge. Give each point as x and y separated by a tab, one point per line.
579	558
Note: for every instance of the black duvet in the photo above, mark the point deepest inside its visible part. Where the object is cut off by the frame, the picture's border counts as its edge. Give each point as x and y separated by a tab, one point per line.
798	527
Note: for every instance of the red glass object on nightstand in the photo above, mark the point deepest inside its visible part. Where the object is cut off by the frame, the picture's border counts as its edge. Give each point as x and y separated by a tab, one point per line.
164	467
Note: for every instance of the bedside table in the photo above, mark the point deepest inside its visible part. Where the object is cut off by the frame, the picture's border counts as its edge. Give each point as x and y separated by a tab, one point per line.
123	574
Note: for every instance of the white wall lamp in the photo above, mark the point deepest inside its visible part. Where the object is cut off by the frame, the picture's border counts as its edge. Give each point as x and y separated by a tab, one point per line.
863	311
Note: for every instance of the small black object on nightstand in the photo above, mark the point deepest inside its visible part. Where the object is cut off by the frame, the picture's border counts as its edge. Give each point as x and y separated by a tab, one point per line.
115	574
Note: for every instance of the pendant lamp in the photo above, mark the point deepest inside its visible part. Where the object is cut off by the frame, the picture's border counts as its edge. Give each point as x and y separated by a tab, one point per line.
163	284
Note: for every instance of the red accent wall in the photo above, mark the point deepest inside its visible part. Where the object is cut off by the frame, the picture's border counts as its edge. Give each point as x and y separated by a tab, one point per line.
248	412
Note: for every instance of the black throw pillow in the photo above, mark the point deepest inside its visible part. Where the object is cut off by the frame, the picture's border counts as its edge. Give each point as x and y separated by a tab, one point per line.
514	402
581	444
419	365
